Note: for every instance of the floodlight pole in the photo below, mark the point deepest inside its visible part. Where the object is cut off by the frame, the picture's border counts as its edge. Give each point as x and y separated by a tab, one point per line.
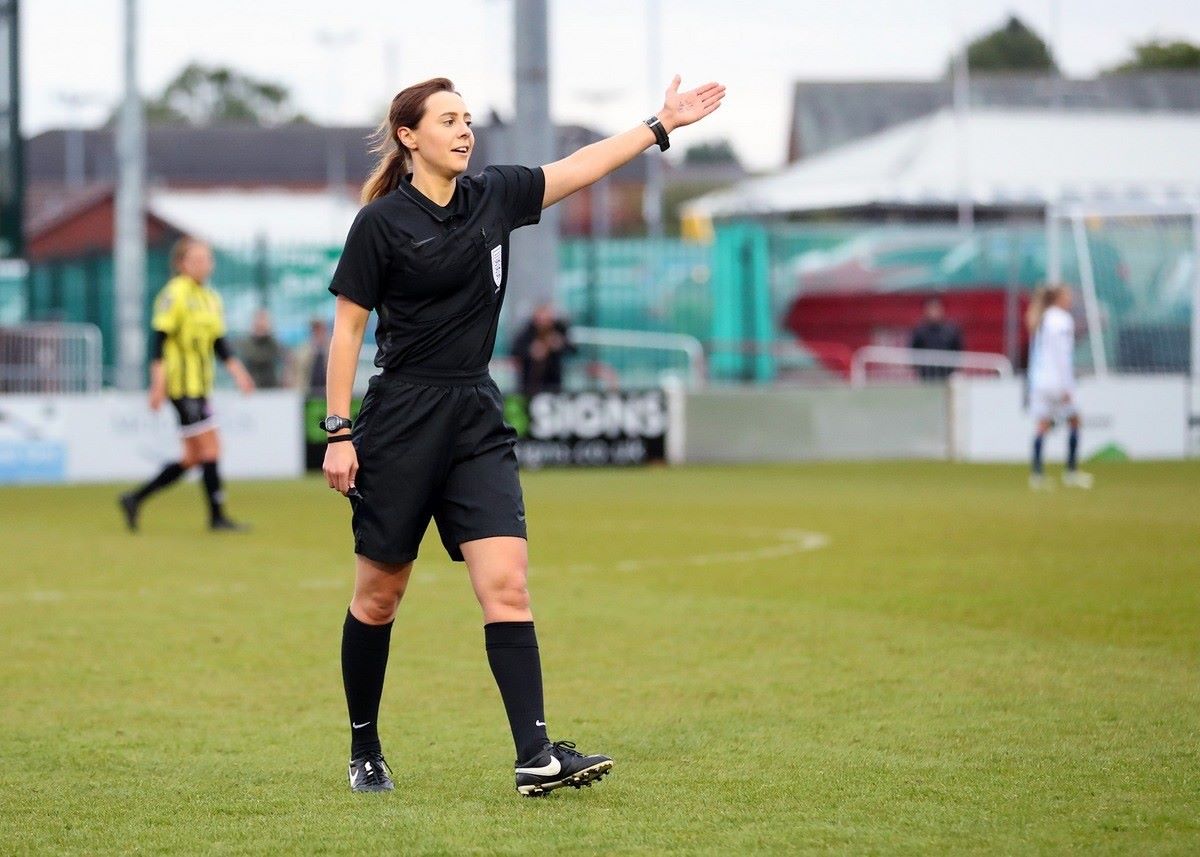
1196	303
1053	245
12	204
652	193
1056	81
962	108
129	231
533	262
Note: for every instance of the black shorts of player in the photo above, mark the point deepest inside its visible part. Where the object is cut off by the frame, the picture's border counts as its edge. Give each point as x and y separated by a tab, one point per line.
195	415
433	448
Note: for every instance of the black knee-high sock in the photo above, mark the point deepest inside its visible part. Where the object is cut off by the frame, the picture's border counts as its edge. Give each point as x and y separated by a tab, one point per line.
212	489
364	662
1072	448
168	475
1037	454
512	652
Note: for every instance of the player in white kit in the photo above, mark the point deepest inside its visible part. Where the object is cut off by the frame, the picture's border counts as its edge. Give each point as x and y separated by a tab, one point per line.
1052	391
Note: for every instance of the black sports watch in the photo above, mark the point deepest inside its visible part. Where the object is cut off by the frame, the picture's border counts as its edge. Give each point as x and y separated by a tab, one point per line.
334	423
660	133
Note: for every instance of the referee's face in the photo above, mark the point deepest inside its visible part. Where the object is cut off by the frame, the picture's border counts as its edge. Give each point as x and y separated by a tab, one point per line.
442	141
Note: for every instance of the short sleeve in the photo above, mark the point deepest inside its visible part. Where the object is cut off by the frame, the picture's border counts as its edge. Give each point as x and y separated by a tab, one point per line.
218	316
521	192
167	307
360	270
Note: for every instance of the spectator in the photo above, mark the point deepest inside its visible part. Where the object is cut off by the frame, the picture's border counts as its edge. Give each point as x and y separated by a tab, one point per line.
310	359
539	350
935	333
262	353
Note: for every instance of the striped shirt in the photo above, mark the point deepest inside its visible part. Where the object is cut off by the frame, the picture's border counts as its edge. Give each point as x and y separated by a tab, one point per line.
190	315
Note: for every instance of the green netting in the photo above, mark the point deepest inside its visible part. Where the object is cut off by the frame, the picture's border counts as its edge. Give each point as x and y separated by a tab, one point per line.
732	295
12	294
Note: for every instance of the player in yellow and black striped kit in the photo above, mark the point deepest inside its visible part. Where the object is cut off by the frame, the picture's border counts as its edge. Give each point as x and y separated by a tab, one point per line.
189	328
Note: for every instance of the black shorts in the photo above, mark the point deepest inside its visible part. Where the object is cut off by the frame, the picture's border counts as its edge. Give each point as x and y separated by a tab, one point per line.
195	415
433	448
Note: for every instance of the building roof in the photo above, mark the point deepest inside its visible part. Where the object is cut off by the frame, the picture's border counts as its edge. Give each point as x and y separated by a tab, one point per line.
827	114
1015	160
225	155
297	157
212	155
236	216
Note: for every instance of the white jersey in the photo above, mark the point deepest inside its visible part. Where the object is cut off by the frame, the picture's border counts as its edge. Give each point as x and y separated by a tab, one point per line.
1052	355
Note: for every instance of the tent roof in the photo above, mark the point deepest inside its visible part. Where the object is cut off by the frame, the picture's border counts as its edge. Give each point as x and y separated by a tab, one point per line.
1014	159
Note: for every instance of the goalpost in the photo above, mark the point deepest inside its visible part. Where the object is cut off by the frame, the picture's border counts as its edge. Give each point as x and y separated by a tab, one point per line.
1137	264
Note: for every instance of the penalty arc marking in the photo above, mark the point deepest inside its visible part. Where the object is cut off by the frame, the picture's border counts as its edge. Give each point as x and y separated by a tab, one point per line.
787	543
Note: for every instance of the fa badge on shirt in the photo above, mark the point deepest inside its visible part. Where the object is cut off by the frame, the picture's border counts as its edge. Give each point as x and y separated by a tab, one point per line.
497	265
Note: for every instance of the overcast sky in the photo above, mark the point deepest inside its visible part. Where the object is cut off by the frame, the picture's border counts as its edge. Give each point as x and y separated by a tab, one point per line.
343	60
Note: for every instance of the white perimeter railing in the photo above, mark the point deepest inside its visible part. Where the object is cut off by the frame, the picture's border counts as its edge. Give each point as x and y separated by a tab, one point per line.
980	361
50	357
689	346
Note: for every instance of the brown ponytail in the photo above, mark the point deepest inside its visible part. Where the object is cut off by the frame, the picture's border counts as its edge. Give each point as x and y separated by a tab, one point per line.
408	107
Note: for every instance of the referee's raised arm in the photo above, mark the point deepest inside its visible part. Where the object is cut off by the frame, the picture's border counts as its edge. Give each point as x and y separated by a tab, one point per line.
592	163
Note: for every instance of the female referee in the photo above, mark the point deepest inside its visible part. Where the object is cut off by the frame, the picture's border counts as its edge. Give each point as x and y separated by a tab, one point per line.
429	253
189	327
1052	395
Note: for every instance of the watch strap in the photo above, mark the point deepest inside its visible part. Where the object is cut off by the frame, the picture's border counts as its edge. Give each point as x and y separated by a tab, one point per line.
342	423
660	133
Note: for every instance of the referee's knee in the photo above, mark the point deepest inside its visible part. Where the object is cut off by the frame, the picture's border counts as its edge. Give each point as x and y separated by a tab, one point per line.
511	591
376	608
514	598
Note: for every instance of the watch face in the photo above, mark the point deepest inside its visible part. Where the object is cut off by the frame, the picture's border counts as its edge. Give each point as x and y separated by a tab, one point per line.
331	424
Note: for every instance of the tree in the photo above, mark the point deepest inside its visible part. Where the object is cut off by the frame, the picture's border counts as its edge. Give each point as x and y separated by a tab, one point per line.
1156	55
202	95
1012	47
716	152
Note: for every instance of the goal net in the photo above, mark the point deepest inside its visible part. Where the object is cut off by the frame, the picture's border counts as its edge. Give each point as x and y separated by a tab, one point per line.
1137	268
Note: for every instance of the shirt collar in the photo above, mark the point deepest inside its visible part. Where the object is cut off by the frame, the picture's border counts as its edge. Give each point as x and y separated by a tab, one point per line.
438	212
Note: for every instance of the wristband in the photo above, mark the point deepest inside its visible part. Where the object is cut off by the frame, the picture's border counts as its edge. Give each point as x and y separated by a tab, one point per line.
660	133
338	438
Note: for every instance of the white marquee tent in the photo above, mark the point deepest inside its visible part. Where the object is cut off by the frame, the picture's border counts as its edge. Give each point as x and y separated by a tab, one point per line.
997	158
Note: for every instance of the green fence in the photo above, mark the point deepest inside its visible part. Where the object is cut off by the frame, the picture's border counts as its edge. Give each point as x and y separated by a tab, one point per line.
731	295
12	291
82	290
632	285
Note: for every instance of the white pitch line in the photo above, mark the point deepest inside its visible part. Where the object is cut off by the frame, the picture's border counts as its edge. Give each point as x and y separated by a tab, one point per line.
792	542
39	596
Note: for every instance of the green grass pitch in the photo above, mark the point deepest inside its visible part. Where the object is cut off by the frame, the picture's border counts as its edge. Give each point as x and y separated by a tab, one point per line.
865	659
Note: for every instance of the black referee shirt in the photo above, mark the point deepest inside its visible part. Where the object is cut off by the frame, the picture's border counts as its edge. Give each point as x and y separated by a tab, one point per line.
436	276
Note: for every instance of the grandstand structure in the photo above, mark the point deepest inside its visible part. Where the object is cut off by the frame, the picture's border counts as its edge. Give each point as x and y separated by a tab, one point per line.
877	218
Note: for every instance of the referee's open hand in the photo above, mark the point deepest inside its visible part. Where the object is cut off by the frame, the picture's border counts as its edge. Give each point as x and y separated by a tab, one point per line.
684	108
341	466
